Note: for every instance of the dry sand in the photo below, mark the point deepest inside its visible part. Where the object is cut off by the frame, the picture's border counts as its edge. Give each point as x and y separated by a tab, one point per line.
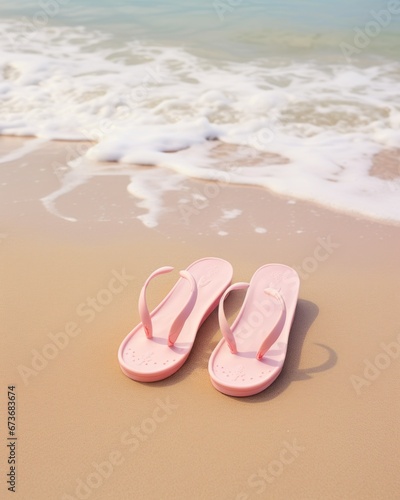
326	429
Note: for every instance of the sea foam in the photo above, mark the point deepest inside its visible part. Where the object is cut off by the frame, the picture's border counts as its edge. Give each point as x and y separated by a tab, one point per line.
151	105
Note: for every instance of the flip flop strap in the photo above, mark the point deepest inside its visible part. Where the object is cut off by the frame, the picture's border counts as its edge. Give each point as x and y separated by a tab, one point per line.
180	320
273	334
223	322
181	317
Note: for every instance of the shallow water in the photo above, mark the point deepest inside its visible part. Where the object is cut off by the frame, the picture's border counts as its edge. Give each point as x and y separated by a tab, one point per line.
237	28
315	84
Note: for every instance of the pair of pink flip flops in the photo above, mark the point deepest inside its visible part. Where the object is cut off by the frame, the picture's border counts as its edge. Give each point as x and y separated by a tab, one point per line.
252	351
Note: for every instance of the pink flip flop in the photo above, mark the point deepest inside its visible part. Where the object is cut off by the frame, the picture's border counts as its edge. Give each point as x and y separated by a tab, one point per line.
252	352
161	343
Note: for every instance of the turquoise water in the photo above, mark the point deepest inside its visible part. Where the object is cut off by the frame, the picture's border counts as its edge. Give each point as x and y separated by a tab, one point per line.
314	84
234	28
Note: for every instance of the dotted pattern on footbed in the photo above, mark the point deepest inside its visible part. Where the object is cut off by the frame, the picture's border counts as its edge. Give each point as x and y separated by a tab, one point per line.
142	360
238	374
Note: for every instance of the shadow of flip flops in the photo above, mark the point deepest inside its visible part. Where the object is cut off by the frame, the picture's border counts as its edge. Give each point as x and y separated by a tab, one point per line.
207	339
306	313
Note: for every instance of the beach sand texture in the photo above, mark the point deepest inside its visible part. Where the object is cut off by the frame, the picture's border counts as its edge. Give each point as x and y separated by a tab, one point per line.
327	428
142	134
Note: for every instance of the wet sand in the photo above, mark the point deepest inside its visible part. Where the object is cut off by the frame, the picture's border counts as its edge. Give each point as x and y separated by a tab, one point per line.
326	429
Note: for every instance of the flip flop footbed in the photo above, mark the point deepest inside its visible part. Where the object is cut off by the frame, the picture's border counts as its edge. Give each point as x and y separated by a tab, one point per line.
242	374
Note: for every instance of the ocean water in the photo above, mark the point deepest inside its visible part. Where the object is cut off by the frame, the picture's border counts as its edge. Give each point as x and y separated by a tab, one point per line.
312	85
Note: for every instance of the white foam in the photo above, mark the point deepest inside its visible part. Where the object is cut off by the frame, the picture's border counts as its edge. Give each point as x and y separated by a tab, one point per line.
26	148
145	186
163	106
231	214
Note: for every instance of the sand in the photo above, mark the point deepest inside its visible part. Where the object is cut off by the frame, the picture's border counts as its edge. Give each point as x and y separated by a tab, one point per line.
326	429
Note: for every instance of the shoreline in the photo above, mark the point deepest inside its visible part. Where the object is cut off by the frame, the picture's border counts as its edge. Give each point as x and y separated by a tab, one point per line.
334	408
188	197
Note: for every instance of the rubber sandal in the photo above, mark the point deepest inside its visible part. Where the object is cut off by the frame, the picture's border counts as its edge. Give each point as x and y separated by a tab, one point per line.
159	345
251	354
